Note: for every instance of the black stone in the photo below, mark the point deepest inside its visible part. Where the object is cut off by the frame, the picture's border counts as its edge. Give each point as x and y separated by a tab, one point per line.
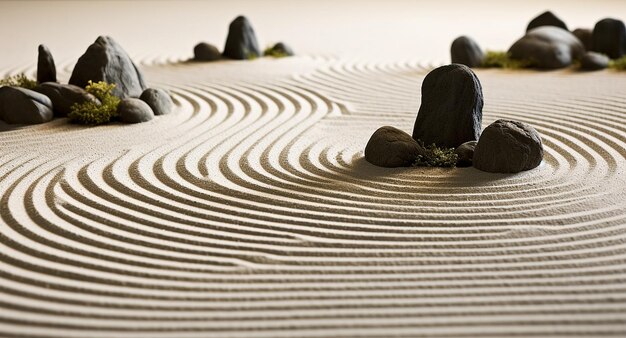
206	52
391	147
548	47
241	43
609	37
508	147
282	48
105	60
46	70
64	96
158	99
465	50
133	110
452	105
585	36
546	18
465	152
24	106
594	61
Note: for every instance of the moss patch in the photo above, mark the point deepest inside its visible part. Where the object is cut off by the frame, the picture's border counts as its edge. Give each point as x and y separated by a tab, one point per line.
435	156
499	59
19	80
92	113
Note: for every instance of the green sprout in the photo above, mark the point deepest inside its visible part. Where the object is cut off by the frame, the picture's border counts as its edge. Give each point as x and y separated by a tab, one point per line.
19	80
499	59
275	53
618	64
90	112
435	156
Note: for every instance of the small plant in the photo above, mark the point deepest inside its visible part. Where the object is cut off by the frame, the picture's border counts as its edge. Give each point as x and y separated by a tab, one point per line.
19	80
251	56
499	59
273	52
618	64
93	113
435	156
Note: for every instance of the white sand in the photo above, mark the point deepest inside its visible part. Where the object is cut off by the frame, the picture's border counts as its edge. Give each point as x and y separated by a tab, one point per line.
250	212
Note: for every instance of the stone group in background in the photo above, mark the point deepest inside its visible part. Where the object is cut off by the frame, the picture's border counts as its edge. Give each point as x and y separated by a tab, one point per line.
465	50
548	47
241	43
46	70
24	106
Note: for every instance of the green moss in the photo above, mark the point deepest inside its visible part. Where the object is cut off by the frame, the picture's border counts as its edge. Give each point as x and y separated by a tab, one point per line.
435	156
251	56
499	59
618	64
271	51
19	80
92	113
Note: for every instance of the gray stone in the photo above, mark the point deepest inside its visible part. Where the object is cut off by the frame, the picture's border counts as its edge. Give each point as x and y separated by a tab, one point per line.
585	36
241	43
594	61
451	109
465	50
105	60
465	152
24	106
391	147
508	147
64	96
206	52
158	99
548	47
133	110
609	37
546	18
46	70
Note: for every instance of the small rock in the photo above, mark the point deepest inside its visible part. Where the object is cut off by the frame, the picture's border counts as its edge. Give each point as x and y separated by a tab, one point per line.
508	147
282	49
105	60
465	50
465	152
133	110
391	147
548	47
594	61
609	37
64	96
241	43
24	106
452	107
158	99
46	70
206	52
546	18
585	36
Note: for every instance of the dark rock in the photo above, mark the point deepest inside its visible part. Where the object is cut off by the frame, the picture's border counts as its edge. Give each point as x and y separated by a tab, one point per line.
24	106
105	60
133	110
465	152
508	147
465	50
64	96
158	99
391	147
452	107
548	47
594	61
585	36
282	49
206	52
241	43
46	70
609	37
546	18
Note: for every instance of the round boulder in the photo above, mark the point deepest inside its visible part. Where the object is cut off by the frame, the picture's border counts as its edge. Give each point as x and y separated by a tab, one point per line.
241	43
206	52
548	47
64	96
158	99
594	61
609	37
133	110
24	106
465	50
46	70
585	36
391	147
546	18
465	153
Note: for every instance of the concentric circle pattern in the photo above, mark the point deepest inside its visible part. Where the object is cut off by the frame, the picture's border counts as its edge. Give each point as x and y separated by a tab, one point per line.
250	212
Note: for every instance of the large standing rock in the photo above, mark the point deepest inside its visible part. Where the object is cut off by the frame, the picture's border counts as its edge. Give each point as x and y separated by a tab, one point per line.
46	70
609	37
546	18
24	106
105	60
452	107
465	50
594	61
241	43
158	99
465	153
508	147
133	110
64	96
206	52
390	147
585	36
548	47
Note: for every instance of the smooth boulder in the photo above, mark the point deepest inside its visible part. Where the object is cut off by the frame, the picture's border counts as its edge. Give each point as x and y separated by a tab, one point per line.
508	147
465	153
452	107
133	110
546	18
46	70
548	47
206	52
585	36
241	43
24	106
391	147
105	60
609	37
465	50
281	49
64	96
594	61
158	99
